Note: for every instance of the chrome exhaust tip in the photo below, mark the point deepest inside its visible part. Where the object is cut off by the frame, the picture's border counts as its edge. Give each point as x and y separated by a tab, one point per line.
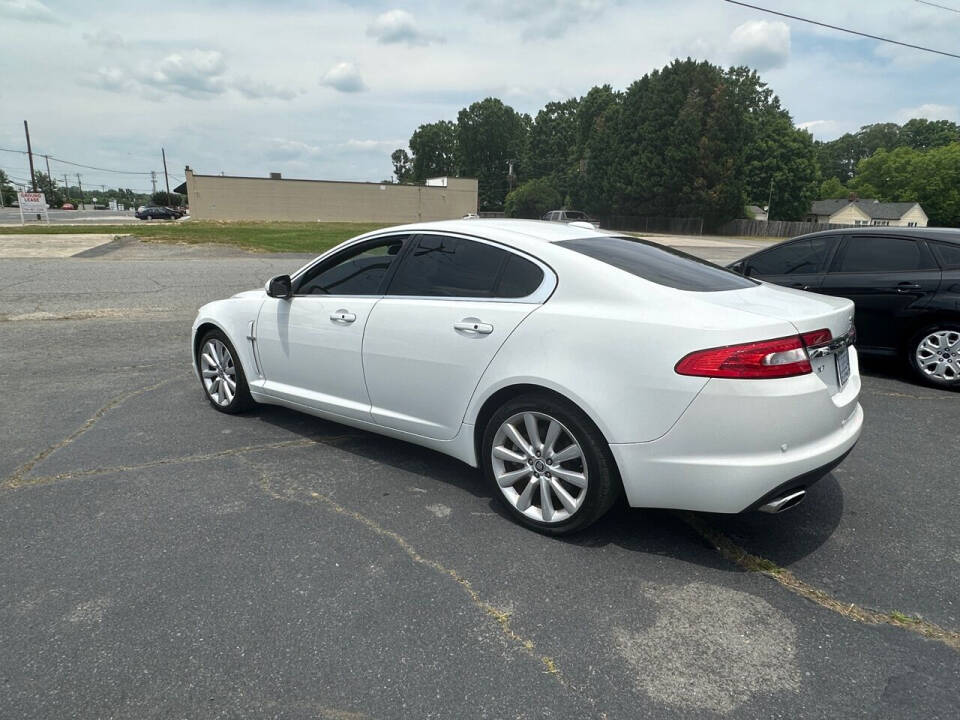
782	503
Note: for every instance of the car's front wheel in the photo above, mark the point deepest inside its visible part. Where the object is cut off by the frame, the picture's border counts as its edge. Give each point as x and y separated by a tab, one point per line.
934	355
549	464
222	374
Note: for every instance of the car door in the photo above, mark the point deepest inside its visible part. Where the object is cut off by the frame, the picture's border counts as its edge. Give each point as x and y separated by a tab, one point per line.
890	279
450	306
309	345
798	263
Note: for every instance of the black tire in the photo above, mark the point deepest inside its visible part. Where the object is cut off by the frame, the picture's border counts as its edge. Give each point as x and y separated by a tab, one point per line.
604	486
915	365
241	399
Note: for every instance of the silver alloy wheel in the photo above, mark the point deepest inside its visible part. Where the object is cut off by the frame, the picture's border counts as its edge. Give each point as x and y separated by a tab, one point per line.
219	372
938	355
539	467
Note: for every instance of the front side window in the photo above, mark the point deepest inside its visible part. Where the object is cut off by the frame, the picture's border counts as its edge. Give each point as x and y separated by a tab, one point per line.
444	266
359	270
659	264
793	258
880	253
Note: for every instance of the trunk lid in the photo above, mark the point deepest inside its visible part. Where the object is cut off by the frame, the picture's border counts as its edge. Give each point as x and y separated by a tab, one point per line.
804	310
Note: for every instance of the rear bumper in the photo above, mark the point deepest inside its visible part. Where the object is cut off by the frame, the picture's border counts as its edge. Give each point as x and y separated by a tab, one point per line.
741	443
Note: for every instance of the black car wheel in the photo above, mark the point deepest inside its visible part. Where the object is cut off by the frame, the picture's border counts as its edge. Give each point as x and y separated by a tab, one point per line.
934	355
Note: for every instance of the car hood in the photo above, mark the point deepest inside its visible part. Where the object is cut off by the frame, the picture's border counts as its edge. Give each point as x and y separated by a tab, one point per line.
248	293
804	310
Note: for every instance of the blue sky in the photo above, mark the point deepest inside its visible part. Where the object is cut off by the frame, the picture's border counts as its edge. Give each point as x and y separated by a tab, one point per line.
329	89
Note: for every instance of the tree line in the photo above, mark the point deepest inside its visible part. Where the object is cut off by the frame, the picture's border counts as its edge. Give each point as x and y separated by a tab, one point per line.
691	139
56	194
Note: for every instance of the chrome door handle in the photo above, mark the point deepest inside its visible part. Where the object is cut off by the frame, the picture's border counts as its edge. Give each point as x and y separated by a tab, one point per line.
343	316
473	326
907	287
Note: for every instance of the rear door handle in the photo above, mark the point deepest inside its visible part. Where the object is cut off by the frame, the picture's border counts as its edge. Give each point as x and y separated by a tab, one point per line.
907	287
343	316
473	326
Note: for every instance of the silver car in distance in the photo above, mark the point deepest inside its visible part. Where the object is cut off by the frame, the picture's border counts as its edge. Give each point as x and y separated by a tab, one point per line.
571	365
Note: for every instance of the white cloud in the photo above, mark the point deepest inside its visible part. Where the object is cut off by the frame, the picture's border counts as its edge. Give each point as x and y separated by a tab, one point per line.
113	79
930	111
344	77
398	26
260	90
374	145
105	39
29	11
285	149
761	44
545	18
195	73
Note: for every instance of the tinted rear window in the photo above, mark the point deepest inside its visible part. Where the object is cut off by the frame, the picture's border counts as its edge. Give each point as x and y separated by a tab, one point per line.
949	254
659	264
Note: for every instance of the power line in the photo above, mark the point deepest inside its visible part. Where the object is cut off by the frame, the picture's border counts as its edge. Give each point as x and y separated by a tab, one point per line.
846	30
942	7
81	165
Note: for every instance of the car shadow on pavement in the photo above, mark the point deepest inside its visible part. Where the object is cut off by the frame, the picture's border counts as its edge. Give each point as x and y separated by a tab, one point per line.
783	538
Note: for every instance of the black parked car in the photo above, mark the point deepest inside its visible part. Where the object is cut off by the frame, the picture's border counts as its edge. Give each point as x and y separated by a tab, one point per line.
905	283
158	213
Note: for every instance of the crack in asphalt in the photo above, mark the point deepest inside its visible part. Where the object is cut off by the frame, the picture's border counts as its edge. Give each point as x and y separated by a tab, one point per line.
891	393
20	473
501	617
12	484
729	550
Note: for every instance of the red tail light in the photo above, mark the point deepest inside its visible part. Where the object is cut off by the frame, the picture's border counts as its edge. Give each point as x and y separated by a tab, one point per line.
778	358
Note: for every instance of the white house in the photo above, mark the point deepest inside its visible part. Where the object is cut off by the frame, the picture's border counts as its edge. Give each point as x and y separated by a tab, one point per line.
867	212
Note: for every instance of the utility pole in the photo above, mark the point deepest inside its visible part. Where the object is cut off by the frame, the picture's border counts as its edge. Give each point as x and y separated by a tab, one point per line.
80	185
33	178
165	176
47	158
153	180
770	198
66	187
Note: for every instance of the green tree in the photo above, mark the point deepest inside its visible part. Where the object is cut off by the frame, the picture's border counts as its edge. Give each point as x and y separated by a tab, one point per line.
780	162
532	199
921	134
489	136
48	186
434	148
930	177
401	164
831	188
7	192
598	182
552	151
161	197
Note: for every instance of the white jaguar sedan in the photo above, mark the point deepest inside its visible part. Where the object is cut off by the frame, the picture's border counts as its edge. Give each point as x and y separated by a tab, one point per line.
569	364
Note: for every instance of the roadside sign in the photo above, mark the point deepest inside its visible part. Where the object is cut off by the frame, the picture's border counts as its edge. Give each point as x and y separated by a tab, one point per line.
32	202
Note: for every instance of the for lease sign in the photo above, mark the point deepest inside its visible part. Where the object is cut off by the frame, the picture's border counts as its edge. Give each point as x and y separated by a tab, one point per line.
31	202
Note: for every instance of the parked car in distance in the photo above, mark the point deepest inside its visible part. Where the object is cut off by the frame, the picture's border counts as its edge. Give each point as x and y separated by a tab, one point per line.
157	213
68	206
905	283
571	365
571	216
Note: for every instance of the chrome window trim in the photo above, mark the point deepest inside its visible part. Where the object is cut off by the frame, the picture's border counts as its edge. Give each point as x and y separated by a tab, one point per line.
537	297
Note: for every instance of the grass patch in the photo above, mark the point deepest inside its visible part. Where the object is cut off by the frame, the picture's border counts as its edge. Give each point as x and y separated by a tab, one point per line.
307	237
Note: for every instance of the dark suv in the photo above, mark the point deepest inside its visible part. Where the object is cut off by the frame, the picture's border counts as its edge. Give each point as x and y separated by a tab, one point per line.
905	283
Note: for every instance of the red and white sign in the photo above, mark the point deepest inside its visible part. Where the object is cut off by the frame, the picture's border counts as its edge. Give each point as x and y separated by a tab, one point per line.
30	203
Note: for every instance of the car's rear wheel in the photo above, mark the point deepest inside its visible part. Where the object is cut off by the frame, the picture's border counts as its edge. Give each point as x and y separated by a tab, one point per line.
222	374
549	464
934	355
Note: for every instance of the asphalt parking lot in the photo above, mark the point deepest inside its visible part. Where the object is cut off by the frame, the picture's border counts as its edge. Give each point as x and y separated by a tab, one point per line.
11	216
163	560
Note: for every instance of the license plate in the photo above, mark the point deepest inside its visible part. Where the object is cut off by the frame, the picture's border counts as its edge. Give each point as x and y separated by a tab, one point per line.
843	366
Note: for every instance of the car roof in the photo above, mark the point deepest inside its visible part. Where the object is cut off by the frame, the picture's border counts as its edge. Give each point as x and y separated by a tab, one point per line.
951	235
518	233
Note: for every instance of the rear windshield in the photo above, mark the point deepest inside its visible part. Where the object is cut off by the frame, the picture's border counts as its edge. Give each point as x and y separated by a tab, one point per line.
659	264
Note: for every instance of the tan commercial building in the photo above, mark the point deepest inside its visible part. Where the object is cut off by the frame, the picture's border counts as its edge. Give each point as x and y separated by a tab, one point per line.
220	197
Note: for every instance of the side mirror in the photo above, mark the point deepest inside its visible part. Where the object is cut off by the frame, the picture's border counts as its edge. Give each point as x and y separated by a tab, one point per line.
280	287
